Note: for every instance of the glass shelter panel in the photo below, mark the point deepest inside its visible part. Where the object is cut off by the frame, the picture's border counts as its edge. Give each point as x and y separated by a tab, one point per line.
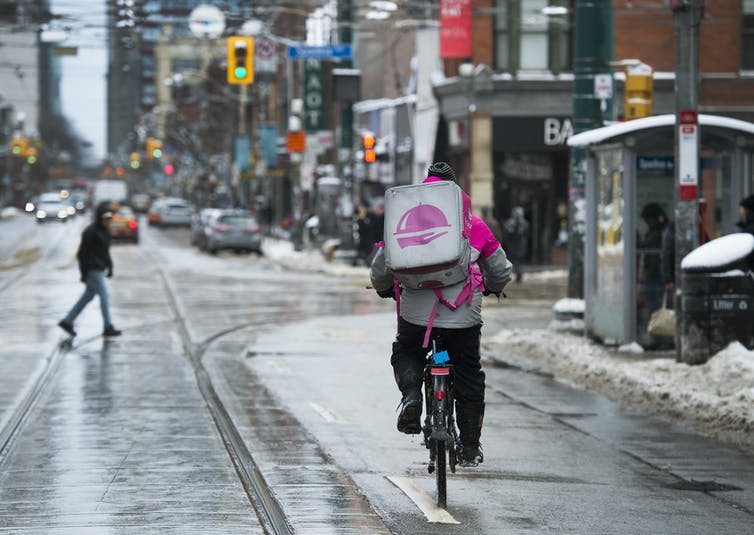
608	305
655	180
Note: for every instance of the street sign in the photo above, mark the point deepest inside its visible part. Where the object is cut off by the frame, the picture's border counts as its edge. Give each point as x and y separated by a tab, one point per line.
688	147
265	58
296	141
603	86
319	52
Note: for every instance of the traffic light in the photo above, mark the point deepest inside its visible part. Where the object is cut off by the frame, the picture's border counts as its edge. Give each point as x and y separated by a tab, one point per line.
154	148
240	60
19	147
367	143
134	160
639	92
31	155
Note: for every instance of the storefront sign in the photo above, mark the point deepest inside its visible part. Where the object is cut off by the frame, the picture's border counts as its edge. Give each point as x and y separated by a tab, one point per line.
314	112
455	28
532	133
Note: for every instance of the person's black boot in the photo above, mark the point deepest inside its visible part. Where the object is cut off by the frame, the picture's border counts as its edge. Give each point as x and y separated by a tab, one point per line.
409	418
67	327
470	416
111	331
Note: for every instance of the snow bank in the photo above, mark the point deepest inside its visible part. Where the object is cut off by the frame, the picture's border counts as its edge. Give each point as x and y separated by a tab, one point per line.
283	253
717	398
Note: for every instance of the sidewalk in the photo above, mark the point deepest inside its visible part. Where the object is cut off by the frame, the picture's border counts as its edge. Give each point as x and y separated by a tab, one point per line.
715	399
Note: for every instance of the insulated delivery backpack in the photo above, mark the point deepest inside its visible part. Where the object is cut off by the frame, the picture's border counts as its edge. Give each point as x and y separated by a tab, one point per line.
427	229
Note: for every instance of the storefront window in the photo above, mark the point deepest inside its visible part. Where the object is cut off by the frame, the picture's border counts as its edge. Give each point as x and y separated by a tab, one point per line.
608	305
747	35
533	35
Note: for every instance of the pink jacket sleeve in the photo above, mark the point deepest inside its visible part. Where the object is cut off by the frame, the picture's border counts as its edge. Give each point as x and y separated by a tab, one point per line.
482	238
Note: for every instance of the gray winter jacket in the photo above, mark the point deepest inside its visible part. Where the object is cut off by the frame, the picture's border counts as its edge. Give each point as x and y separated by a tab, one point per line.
416	305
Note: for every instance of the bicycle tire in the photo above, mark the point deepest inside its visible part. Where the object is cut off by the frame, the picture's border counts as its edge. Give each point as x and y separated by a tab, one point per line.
440	474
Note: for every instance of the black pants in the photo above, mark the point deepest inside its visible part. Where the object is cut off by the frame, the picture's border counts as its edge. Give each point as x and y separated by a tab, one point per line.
463	346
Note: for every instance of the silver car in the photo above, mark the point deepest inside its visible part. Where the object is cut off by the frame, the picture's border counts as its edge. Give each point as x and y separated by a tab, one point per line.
234	230
175	212
200	224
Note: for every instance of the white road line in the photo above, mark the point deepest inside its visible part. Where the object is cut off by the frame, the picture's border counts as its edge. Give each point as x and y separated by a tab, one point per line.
423	501
326	413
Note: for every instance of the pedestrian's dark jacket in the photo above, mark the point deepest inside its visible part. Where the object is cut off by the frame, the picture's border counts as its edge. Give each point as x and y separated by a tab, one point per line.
667	254
94	250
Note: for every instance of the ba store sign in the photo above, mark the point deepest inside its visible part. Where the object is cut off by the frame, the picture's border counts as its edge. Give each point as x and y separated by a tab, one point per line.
313	96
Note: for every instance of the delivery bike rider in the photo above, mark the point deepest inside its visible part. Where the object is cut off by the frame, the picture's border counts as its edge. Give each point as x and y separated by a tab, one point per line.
460	329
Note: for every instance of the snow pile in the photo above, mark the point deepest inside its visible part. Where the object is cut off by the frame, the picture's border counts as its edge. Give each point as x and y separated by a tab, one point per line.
283	253
717	397
719	253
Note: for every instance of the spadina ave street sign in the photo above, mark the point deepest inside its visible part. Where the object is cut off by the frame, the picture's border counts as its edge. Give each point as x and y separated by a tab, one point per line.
319	52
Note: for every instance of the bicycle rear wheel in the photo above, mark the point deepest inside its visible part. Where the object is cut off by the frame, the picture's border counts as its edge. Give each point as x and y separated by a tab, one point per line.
440	475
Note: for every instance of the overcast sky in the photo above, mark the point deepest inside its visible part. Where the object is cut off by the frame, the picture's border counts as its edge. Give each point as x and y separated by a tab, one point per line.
83	86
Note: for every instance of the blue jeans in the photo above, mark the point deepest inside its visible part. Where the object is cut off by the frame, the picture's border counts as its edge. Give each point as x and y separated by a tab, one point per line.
95	285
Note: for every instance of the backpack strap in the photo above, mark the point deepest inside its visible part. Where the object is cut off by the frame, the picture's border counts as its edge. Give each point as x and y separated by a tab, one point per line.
467	294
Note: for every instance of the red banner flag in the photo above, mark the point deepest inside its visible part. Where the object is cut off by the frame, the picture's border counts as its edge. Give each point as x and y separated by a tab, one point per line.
455	29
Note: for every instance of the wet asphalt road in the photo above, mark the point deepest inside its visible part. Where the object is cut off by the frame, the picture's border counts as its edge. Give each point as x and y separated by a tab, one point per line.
121	439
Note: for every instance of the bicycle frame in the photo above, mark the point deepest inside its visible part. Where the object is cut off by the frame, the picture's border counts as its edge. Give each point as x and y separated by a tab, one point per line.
439	427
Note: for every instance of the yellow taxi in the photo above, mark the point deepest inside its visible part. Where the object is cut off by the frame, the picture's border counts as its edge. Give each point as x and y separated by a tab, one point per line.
123	225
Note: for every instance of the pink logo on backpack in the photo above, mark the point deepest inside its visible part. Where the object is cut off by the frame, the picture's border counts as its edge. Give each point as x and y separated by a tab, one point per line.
420	225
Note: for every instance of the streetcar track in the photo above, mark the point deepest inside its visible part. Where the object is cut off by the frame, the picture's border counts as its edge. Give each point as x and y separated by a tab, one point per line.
34	394
269	511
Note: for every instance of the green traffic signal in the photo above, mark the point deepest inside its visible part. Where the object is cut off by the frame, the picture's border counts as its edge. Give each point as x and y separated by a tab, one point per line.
31	160
157	153
16	150
134	164
240	72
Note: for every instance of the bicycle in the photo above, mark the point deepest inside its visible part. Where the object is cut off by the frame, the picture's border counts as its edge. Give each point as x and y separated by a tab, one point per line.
440	435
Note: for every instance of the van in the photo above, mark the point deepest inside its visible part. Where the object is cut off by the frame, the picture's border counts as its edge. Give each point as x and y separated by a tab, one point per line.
114	191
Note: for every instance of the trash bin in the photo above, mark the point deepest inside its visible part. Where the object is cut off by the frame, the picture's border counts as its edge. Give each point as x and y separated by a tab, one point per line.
717	297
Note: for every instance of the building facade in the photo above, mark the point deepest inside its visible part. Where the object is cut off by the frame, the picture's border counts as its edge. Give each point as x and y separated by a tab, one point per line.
526	100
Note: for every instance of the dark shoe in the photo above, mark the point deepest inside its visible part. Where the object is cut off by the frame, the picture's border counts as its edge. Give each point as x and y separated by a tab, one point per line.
470	456
111	331
67	327
410	415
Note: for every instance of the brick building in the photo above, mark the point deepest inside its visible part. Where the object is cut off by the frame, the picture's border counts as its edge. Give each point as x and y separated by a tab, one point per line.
524	102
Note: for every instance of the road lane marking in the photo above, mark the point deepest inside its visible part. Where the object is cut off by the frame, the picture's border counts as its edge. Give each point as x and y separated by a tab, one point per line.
326	413
423	501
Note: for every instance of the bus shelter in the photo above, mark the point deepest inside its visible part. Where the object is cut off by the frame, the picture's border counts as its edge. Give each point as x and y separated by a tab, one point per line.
630	184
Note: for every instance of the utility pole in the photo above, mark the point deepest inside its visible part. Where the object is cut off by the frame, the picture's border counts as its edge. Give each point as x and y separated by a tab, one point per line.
687	15
593	52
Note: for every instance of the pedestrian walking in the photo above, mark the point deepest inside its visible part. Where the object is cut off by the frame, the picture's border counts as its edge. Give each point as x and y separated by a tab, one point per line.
517	239
94	265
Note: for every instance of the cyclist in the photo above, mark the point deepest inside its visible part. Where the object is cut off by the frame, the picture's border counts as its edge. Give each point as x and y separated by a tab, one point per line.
459	328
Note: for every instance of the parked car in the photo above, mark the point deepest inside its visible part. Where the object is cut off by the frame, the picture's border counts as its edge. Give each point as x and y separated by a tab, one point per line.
199	225
154	215
50	207
234	230
170	211
123	225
